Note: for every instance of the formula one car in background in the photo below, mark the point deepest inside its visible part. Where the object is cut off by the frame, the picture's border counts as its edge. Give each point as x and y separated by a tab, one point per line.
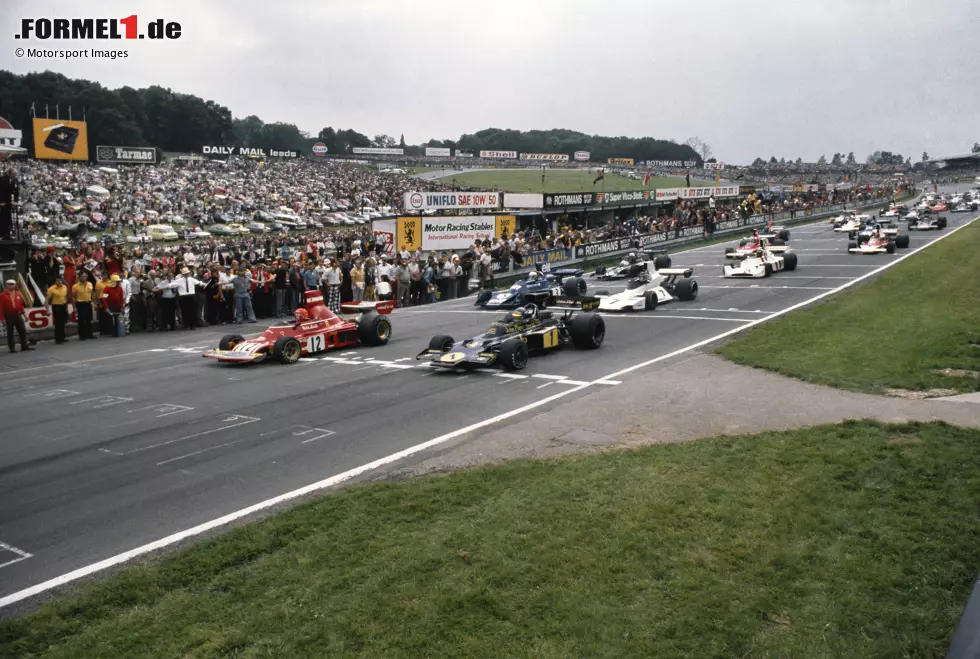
966	205
749	245
851	222
315	329
622	271
901	240
766	260
540	288
645	290
893	213
511	339
874	245
927	223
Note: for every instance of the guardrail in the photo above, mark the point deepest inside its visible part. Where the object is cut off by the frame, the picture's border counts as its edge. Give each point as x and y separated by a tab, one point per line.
584	255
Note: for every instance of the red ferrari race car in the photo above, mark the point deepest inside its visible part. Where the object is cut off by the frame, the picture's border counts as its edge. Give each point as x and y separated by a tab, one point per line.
315	329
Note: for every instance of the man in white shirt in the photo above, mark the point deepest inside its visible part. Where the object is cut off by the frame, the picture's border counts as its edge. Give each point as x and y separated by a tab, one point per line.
186	286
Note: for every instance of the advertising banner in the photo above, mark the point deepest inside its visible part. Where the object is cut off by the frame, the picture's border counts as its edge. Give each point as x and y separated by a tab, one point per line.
443	234
672	163
437	152
624	197
378	151
667	194
523	200
384	234
605	247
714	165
546	256
447	200
708	191
564	200
506	225
10	139
60	140
620	161
556	157
582	155
246	151
460	154
140	155
408	233
498	154
320	149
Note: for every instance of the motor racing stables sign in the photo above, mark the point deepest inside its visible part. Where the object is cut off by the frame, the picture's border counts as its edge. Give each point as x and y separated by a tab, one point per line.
451	200
451	233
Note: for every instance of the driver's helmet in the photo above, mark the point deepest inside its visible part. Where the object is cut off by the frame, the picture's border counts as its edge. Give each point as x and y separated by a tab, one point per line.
534	275
301	315
632	256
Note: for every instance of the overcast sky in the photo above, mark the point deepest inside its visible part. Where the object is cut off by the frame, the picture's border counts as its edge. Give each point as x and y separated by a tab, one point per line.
761	78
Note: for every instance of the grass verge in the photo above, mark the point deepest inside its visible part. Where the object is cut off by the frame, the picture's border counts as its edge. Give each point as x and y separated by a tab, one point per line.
904	330
556	180
851	540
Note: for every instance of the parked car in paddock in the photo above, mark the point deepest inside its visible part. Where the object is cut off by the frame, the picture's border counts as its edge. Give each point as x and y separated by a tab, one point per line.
622	271
540	288
927	223
645	289
875	245
314	329
766	260
510	340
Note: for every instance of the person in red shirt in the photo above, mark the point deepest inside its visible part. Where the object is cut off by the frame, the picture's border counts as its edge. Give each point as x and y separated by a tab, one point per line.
12	309
113	301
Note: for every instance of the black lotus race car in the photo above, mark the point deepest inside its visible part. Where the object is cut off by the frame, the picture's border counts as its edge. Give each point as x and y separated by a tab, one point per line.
510	340
539	288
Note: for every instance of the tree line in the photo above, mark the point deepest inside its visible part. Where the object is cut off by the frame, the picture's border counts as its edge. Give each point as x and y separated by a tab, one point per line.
172	121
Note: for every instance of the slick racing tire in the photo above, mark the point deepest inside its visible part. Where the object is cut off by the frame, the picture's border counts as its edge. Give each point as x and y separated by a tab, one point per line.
513	355
731	250
574	287
890	247
482	298
373	329
852	234
588	331
287	350
686	290
789	261
229	341
778	242
600	271
784	235
441	342
768	270
649	301
940	222
902	240
661	262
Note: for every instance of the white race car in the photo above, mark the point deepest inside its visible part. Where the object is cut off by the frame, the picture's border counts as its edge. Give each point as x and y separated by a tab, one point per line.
966	206
927	223
851	222
874	245
645	290
767	260
622	271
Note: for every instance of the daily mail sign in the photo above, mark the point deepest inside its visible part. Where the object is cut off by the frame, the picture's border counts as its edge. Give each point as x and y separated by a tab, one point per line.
454	233
448	200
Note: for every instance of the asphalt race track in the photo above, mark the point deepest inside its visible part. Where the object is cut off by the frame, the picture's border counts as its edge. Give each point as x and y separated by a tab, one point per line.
113	444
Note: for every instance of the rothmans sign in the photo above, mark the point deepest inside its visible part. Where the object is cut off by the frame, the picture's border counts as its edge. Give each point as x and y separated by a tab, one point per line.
445	200
247	152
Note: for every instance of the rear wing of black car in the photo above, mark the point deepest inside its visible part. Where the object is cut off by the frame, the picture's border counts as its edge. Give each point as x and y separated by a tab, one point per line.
584	303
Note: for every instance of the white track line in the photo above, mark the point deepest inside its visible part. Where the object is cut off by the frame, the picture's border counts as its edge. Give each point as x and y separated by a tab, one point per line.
655	316
412	450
